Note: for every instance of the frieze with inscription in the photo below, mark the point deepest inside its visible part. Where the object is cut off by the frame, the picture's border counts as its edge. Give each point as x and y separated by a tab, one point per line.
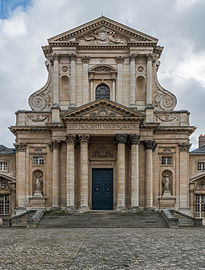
103	126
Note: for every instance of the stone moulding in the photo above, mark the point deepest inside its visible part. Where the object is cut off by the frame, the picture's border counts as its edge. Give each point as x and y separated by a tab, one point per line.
163	99
42	99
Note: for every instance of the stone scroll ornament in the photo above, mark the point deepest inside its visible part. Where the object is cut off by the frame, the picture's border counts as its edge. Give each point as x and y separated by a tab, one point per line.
42	99
163	99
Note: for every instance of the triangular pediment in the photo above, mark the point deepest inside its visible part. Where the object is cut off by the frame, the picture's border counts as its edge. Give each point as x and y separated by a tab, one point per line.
197	178
102	31
102	109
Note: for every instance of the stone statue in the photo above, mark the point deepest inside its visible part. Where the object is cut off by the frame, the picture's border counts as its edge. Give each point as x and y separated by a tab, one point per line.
38	187
166	185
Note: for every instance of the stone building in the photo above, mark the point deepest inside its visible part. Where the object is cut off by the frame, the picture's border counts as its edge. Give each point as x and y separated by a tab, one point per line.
103	133
7	181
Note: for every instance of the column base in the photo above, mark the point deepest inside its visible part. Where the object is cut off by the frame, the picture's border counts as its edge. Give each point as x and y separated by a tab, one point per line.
72	105
83	209
70	209
121	208
134	209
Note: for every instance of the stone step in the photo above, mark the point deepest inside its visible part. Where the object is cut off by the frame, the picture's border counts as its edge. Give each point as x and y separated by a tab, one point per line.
103	220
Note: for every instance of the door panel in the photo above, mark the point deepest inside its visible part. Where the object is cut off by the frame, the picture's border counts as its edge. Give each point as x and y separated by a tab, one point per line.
102	189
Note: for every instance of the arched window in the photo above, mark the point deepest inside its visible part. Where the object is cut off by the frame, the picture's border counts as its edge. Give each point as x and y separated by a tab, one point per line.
102	91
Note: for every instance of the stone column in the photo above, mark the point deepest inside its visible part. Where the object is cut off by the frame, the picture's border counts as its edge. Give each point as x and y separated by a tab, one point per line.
134	140
121	140
149	146
132	80
56	173
84	138
149	79
184	177
20	176
72	81
70	172
119	61
85	61
56	79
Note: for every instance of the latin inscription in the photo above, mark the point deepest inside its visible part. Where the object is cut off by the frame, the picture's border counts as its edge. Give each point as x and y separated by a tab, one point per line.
102	126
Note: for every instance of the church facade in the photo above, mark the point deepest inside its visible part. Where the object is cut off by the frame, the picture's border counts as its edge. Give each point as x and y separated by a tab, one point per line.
102	134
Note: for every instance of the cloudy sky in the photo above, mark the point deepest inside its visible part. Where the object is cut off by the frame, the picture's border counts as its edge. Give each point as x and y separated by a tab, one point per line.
25	26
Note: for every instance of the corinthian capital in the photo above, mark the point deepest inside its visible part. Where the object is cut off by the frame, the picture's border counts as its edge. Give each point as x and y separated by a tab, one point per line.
184	147
120	59
134	138
70	138
84	138
149	144
121	138
85	59
132	57
20	147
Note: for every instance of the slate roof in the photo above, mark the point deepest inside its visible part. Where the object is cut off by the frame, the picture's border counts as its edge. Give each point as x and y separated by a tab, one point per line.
199	151
5	150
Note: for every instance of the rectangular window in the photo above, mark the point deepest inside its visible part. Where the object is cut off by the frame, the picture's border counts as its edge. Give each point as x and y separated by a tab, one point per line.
38	160
201	166
166	161
3	166
4	204
199	206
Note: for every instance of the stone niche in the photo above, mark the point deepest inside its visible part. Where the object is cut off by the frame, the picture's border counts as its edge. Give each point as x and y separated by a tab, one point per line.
167	200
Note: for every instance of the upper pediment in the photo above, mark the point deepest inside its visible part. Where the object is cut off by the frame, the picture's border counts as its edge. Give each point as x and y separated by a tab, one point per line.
102	31
102	109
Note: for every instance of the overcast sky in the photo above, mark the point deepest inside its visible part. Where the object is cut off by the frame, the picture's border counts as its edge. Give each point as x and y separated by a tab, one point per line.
25	26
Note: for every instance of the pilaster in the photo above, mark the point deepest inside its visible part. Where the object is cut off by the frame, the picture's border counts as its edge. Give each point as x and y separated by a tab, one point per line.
149	79
21	174
56	79
72	80
184	176
55	147
85	61
132	80
119	61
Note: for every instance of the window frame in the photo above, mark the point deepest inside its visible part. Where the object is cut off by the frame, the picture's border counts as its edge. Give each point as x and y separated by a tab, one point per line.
39	160
4	205
199	205
4	167
166	158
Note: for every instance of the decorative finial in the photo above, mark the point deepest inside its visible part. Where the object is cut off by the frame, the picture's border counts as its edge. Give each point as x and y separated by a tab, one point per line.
102	15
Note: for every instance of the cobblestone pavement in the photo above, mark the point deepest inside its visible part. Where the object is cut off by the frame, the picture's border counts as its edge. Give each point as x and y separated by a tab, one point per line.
102	249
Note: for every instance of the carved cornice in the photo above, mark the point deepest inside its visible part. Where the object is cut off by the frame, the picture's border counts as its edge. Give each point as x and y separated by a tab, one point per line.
20	147
135	138
120	59
121	138
184	147
149	144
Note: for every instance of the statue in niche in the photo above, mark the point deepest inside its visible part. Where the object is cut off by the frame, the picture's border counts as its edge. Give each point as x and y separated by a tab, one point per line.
166	186
38	187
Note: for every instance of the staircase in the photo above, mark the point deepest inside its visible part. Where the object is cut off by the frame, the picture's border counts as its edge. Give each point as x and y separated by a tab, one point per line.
102	219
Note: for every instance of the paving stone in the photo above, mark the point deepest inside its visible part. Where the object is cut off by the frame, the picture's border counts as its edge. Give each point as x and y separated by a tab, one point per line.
104	248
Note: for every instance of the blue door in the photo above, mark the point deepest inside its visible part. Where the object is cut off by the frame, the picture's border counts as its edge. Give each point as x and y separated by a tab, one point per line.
102	189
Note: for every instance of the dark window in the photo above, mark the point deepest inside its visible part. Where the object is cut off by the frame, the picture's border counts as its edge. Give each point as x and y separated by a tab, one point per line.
102	91
4	204
166	161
